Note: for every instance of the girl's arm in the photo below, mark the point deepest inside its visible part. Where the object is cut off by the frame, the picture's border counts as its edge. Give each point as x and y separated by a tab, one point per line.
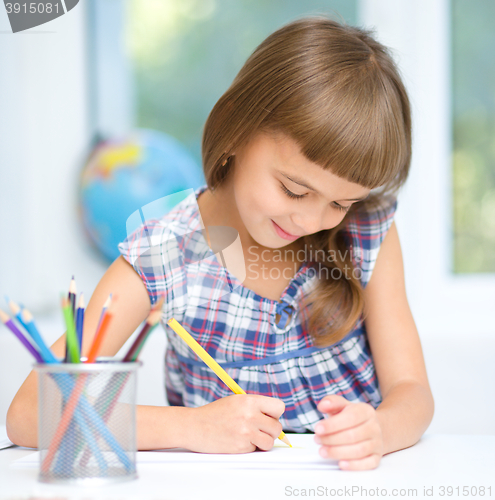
407	407
356	433
234	424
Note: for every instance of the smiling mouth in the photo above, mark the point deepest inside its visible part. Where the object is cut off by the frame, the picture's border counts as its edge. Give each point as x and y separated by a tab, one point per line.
284	234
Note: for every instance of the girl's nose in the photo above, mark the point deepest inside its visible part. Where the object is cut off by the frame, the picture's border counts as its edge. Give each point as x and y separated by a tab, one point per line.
309	223
312	222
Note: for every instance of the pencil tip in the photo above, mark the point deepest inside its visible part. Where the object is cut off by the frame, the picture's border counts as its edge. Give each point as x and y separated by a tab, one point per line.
26	316
154	317
107	303
13	307
286	440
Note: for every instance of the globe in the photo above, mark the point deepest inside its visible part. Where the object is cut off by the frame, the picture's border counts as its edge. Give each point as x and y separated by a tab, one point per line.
147	169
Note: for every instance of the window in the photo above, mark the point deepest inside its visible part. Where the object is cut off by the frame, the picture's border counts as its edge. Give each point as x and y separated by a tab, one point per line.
444	298
190	50
473	100
184	54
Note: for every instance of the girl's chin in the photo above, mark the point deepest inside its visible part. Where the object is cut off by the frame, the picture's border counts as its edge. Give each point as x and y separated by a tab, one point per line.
272	243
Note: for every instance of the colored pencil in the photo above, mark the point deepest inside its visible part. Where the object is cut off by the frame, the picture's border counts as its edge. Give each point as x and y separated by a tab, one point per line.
78	389
72	345
106	305
118	380
61	381
72	295
99	336
151	322
80	321
46	353
72	301
16	311
211	363
65	421
13	328
66	385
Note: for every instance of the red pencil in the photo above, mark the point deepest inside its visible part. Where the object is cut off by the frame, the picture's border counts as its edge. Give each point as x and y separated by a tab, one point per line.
151	322
138	344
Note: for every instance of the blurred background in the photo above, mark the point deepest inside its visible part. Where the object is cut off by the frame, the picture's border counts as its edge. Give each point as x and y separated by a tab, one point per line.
101	111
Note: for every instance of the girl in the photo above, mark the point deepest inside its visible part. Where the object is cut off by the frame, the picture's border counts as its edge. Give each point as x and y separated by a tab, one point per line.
303	156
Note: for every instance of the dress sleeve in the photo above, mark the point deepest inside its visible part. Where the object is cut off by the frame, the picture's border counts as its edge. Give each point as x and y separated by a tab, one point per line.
364	232
153	252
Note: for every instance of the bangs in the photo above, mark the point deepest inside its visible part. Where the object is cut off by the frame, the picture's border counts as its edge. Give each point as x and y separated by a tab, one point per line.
356	128
334	90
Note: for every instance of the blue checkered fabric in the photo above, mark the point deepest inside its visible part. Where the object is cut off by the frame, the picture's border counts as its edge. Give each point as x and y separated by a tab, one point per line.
261	343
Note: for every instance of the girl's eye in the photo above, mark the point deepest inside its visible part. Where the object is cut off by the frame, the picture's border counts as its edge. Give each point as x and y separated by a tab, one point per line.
295	196
341	208
292	195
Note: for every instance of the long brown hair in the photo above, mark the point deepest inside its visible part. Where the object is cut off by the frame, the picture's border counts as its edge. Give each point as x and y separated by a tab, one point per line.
337	93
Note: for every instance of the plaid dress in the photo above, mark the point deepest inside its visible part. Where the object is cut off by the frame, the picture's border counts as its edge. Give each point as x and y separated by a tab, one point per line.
261	343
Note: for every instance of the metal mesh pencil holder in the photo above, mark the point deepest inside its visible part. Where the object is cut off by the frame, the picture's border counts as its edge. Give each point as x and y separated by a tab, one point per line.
87	422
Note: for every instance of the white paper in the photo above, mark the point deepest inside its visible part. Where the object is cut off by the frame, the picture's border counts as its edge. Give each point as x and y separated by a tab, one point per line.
302	455
4	440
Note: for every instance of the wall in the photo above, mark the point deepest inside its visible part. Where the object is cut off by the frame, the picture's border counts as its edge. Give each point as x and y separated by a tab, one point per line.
44	136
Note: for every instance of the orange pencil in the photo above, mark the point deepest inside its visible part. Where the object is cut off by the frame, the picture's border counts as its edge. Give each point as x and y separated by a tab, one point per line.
100	334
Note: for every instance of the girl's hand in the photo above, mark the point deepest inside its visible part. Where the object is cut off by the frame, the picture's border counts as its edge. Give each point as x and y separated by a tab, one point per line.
351	433
236	424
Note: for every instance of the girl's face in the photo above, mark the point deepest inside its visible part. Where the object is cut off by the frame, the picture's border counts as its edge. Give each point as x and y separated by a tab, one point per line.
281	195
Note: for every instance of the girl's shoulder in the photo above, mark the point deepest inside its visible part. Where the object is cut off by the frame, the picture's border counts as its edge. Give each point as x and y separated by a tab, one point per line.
159	244
183	217
149	229
365	230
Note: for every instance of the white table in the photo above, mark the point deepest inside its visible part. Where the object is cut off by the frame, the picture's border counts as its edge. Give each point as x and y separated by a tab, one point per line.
436	461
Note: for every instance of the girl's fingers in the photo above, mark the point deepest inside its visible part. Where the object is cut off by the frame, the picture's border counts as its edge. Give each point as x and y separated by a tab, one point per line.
366	463
273	407
349	451
263	441
351	416
347	436
270	426
332	404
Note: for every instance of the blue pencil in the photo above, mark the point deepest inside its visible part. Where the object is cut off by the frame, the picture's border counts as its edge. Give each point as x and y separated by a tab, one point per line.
46	353
80	321
16	311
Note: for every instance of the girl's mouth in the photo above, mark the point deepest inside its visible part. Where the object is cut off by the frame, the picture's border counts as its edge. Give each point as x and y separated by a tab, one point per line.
283	234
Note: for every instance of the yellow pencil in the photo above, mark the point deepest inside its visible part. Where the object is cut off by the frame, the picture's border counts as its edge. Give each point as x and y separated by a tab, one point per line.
208	360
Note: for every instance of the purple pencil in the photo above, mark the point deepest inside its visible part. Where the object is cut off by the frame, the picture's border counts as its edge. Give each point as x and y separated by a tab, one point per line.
13	328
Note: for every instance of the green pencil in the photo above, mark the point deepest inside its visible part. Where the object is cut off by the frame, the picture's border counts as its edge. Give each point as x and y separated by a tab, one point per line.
71	337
